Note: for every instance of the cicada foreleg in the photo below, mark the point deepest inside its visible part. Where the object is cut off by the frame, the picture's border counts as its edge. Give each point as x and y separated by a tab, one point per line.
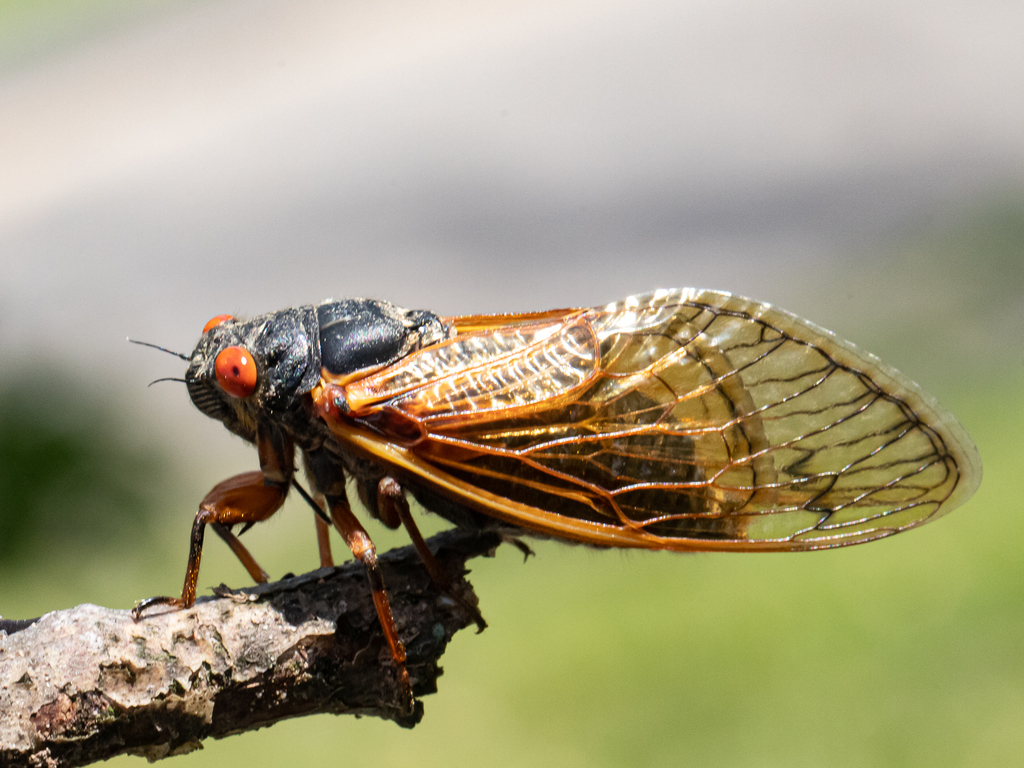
229	538
243	499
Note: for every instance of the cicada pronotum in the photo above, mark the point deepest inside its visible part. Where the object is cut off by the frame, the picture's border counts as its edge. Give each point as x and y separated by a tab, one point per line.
682	419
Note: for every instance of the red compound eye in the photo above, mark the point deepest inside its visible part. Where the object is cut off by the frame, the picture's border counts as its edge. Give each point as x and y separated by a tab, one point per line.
215	321
236	371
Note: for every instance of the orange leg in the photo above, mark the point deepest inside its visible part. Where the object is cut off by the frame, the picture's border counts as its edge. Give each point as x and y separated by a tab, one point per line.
393	510
323	542
323	524
245	498
257	573
364	551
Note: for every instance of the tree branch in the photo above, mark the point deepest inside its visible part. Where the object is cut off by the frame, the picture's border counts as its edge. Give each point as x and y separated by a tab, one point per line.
90	683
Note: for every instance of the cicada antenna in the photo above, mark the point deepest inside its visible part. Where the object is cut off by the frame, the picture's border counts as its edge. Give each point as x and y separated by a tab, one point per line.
162	349
166	378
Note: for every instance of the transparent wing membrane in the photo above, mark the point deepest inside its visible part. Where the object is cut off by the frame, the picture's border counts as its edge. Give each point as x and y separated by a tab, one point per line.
682	419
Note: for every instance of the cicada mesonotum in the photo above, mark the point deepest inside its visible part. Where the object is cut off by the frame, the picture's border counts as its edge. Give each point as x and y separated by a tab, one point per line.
685	420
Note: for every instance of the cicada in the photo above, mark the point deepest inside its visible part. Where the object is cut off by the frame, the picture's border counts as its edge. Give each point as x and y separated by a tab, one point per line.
686	420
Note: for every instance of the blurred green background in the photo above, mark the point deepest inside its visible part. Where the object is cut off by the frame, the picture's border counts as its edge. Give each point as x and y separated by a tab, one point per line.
905	652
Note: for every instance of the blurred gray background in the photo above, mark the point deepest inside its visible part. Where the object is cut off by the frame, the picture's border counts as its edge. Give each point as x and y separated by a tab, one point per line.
859	163
164	162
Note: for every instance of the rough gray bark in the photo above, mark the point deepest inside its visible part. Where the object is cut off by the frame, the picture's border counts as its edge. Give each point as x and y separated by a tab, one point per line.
90	683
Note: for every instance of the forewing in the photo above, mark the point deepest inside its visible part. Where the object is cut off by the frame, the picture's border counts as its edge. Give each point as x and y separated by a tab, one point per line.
680	419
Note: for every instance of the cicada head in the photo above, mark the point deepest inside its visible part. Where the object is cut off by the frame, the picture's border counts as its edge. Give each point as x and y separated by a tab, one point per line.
246	371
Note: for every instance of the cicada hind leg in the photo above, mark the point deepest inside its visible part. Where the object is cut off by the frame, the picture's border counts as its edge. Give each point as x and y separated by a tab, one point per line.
393	510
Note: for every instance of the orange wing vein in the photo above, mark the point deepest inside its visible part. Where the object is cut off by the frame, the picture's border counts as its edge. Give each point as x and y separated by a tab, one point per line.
681	419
